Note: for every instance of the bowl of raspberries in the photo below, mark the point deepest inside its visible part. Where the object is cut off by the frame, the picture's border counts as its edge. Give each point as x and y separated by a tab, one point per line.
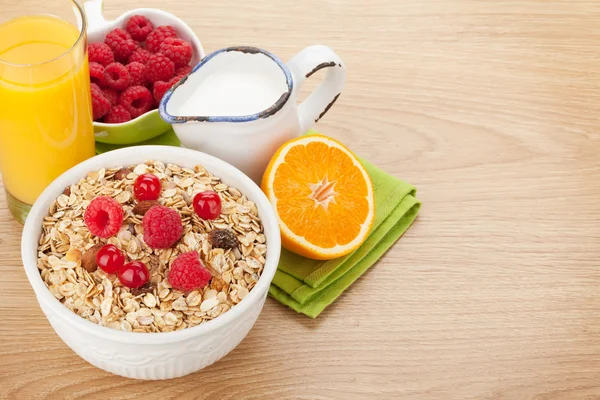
133	61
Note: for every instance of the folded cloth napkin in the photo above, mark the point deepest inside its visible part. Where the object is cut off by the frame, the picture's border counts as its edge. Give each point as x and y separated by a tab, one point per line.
309	286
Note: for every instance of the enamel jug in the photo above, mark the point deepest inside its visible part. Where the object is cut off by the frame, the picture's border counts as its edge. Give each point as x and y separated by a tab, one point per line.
239	104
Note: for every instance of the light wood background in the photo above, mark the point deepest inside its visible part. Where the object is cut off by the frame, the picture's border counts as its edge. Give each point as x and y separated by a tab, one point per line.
492	109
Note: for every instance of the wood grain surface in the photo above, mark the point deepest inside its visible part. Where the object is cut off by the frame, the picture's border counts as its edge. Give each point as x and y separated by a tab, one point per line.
491	108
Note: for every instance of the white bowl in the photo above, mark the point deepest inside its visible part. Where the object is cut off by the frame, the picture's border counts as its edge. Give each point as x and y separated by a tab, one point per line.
152	355
149	124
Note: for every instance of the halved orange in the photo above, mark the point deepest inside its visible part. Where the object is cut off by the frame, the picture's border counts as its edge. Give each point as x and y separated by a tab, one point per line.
322	195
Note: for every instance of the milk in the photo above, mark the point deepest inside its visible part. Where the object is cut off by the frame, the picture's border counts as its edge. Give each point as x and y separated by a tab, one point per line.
240	104
233	93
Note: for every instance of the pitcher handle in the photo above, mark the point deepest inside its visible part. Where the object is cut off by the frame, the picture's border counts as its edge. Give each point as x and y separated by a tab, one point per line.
306	63
93	13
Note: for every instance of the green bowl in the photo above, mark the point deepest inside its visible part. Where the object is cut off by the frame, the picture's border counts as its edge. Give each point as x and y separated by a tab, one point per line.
167	138
148	125
140	129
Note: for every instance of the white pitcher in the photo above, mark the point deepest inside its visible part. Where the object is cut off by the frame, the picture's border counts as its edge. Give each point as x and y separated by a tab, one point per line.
227	130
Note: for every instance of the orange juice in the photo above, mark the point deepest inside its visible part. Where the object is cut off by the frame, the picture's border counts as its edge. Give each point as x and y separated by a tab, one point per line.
45	103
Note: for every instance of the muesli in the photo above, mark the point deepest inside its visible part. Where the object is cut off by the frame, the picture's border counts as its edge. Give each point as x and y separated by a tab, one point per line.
125	253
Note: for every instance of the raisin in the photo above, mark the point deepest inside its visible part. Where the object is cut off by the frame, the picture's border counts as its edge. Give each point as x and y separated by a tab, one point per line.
147	288
223	239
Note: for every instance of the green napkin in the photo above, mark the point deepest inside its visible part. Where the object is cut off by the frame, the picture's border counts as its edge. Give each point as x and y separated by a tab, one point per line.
309	286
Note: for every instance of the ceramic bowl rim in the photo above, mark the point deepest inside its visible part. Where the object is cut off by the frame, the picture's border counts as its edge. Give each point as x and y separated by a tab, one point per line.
273	109
30	238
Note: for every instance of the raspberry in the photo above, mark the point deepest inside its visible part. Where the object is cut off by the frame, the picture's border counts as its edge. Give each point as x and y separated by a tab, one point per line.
100	104
117	34
117	114
157	36
137	73
112	95
121	43
139	27
116	76
103	216
97	74
183	71
187	273
100	53
94	86
159	68
161	87
140	55
177	50
162	227
137	100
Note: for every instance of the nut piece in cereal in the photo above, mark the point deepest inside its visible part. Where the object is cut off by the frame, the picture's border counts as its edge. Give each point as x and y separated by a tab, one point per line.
143	206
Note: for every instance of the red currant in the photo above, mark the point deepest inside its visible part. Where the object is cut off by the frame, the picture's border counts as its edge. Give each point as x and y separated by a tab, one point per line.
109	258
146	187
134	274
207	204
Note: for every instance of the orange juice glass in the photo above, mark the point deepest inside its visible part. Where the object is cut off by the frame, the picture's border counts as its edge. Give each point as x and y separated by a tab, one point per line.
45	102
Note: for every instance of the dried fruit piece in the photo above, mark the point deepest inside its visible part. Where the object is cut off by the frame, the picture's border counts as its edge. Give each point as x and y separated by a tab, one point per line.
188	273
142	207
88	259
223	239
148	287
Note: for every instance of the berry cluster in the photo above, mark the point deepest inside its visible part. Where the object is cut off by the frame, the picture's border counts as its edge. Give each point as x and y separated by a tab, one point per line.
134	67
104	217
162	229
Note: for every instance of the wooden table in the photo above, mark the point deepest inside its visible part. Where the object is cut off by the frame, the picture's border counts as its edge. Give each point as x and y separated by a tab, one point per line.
492	109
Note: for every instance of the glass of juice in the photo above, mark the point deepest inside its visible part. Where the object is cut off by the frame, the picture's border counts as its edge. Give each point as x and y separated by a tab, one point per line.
45	102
